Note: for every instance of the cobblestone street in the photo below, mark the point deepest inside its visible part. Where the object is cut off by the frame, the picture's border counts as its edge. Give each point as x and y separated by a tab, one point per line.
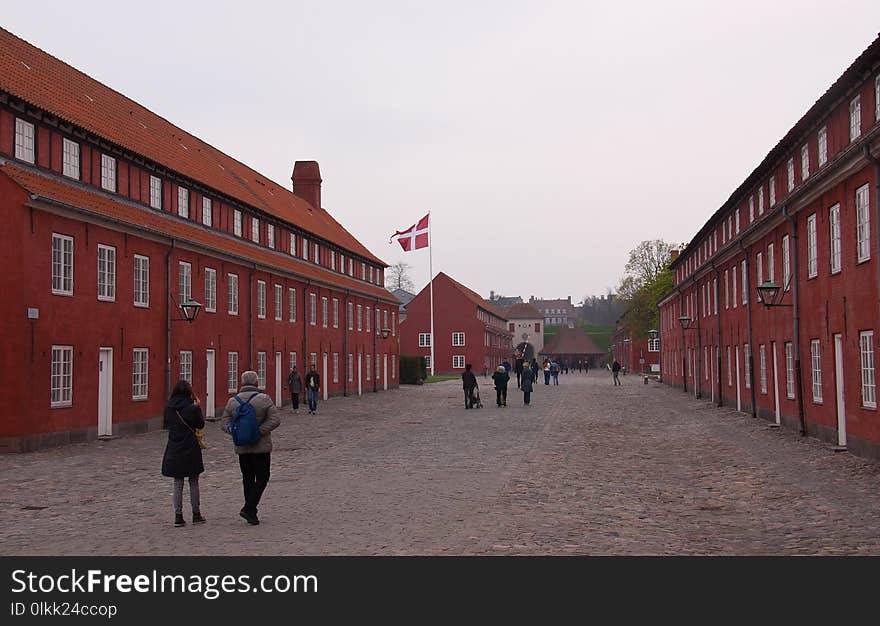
586	469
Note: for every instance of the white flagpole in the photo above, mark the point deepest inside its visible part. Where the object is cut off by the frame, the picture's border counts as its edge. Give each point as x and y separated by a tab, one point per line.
431	283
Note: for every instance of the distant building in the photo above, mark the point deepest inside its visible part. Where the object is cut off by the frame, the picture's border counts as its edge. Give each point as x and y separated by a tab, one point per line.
636	354
499	300
404	296
556	312
570	345
526	323
466	328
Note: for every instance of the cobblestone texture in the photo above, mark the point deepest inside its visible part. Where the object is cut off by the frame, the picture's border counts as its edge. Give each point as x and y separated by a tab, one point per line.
586	469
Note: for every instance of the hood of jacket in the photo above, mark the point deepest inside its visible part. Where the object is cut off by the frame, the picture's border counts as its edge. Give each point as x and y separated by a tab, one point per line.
179	402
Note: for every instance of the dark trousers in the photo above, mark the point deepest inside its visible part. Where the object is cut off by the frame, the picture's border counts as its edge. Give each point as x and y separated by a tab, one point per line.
294	398
518	379
546	378
527	396
469	398
312	397
501	395
254	478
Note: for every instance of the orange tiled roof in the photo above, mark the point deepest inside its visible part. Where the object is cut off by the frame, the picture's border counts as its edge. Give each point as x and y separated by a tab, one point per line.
522	311
571	341
473	296
54	86
129	213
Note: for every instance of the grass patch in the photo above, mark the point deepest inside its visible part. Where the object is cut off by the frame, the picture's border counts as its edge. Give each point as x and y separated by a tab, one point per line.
440	379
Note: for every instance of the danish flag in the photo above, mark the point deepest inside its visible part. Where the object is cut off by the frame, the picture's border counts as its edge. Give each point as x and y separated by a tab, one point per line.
414	237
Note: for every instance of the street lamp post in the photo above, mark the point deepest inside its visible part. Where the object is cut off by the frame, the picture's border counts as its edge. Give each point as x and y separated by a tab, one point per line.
654	335
686	323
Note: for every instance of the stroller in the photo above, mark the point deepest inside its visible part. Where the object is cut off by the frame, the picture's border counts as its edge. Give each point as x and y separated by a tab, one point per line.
476	403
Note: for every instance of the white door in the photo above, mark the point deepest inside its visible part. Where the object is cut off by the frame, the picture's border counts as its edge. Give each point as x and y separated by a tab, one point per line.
738	393
838	375
210	400
324	376
776	385
385	372
278	398
105	392
360	379
711	366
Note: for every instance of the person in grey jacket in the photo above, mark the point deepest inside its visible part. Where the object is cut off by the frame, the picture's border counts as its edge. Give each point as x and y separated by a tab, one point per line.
254	459
295	384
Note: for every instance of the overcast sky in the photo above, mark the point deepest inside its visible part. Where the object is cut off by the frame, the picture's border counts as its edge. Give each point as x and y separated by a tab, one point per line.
547	138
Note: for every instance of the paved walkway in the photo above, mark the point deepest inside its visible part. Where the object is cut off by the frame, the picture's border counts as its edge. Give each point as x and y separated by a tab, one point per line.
587	469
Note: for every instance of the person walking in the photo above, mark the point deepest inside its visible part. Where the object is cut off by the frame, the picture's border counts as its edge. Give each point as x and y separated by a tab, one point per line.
295	384
615	372
554	372
468	383
528	377
183	453
254	459
534	370
518	368
313	384
546	372
501	378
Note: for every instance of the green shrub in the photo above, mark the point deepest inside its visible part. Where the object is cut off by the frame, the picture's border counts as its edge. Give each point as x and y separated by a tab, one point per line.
413	370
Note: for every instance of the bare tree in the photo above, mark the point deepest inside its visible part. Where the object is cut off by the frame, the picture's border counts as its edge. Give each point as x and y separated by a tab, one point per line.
647	260
396	277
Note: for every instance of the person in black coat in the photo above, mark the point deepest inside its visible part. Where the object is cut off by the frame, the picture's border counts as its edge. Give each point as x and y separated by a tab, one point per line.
528	376
468	383
501	378
183	455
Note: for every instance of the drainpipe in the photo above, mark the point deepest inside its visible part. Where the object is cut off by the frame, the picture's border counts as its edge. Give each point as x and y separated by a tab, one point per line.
375	354
306	322
792	220
718	344
749	298
345	344
168	320
684	378
251	315
698	387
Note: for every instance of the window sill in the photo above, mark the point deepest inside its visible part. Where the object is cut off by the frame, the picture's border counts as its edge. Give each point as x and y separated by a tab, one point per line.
62	405
62	293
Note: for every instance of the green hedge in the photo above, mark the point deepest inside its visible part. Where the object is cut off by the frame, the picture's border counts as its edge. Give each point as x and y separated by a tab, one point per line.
413	370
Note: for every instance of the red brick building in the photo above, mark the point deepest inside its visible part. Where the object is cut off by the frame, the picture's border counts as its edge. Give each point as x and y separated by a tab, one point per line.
636	354
112	217
467	328
570	345
806	220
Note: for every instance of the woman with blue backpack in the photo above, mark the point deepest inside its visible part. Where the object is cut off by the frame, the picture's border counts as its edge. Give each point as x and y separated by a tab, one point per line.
183	452
250	417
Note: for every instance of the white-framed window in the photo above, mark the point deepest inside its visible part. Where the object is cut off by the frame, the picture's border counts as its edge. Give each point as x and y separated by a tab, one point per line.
812	248
292	244
232	373
393	324
822	138
62	265
368	359
762	353
350	316
305	248
428	362
736	219
155	192
335	312
70	159
654	345
715	295
367	318
771	263
772	191
210	290
292	360
342	263
236	223
726	290
207	212
759	269
141	281
183	202
761	200
279	302
363	271
378	370
360	314
184	282
350	369
139	373
324	312
869	387
313	360
186	366
805	162
335	367
261	299
834	232
317	256
424	340
789	371
255	230
877	99
457	339
729	369
106	273
371	273
706	365
816	360
786	263
377	321
789	170
261	370
108	173
232	280
384	318
458	361
747	358
61	383
333	260
270	235
24	141
855	118
291	304
751	208
313	309
863	223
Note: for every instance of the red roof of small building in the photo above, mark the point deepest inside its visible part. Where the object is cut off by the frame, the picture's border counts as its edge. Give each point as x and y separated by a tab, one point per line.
168	225
48	83
571	341
522	311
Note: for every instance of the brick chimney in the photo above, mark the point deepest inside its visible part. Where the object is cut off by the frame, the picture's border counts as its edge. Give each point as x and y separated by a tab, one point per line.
307	182
673	254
